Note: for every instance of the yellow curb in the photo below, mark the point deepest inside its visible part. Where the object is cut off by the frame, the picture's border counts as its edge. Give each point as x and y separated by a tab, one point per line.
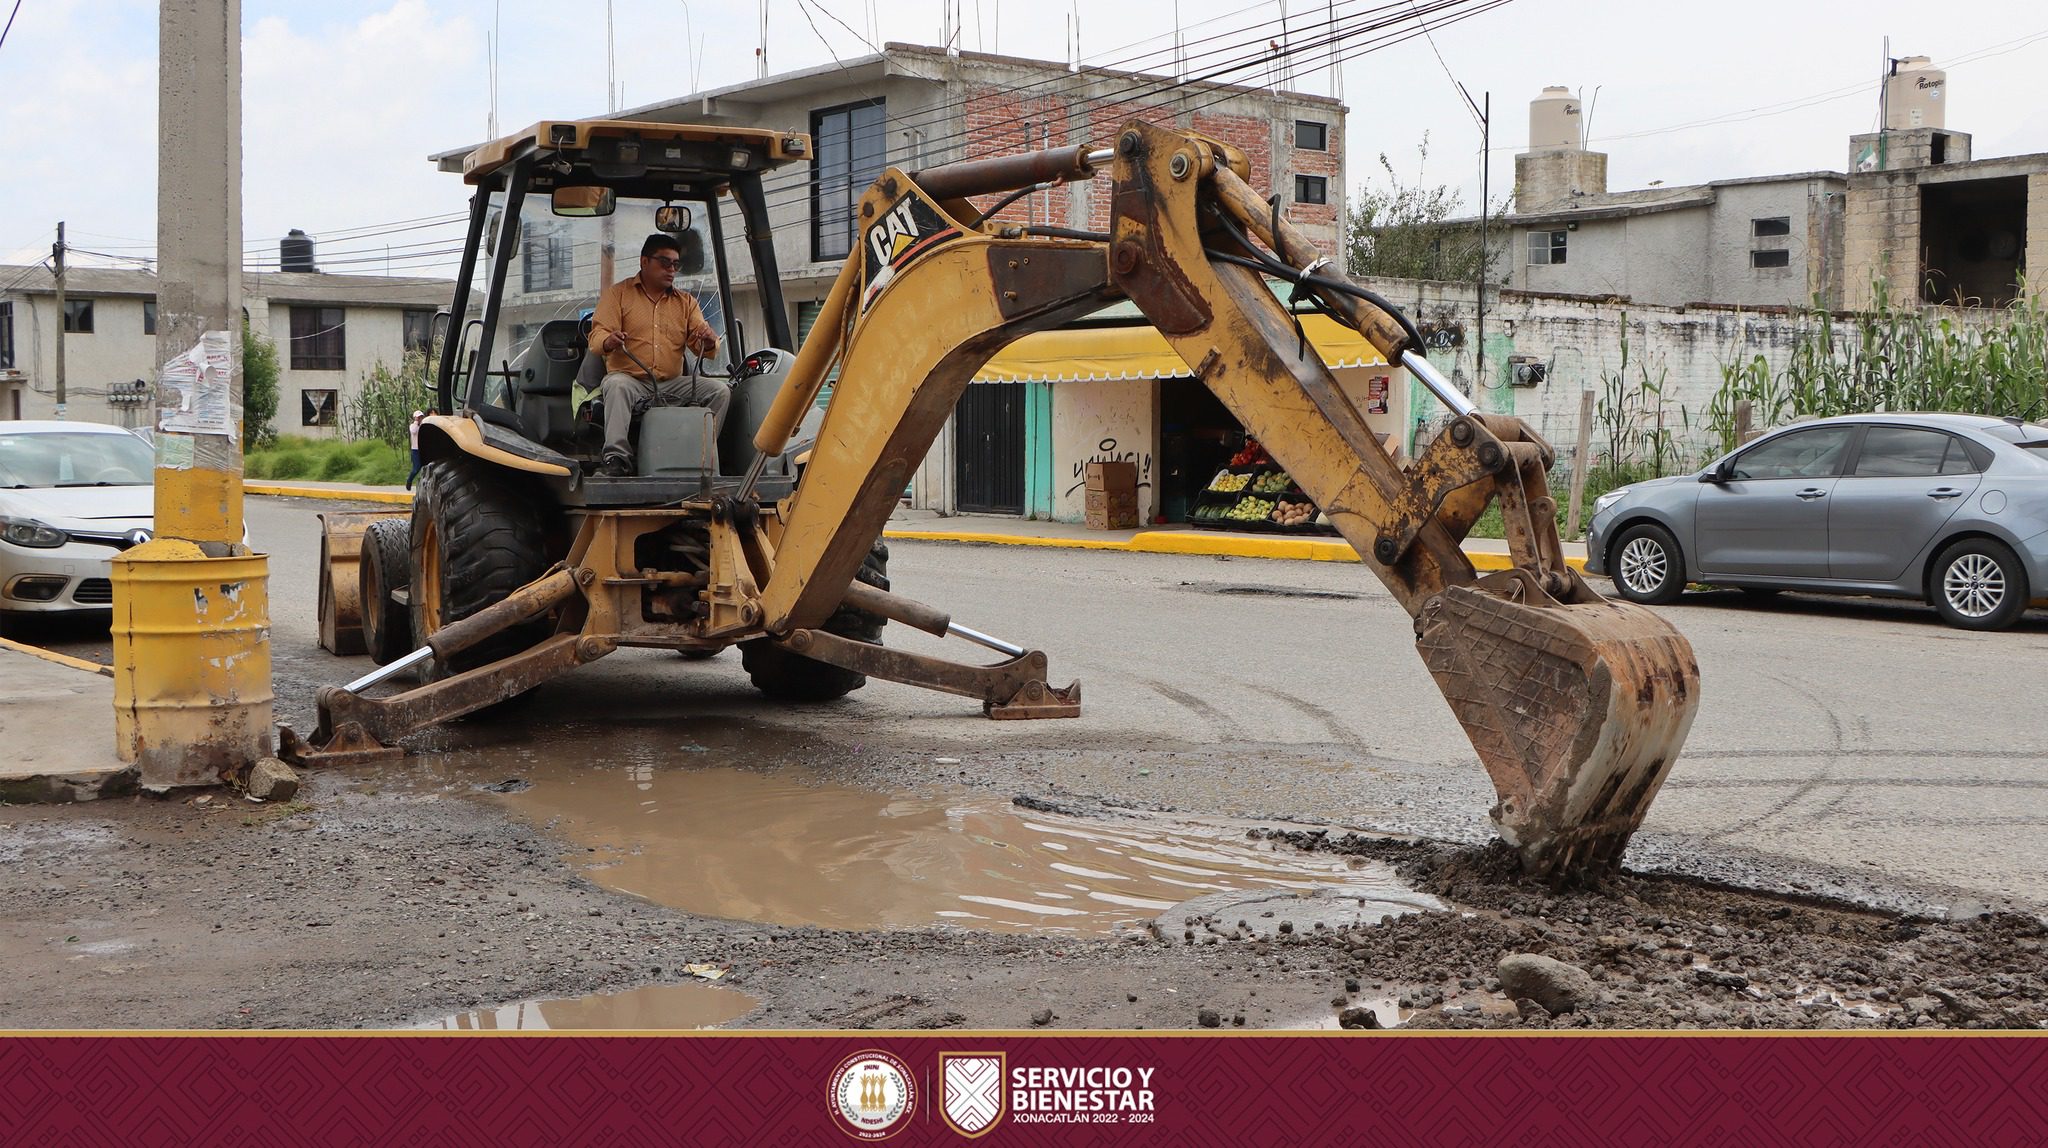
64	660
1175	542
283	490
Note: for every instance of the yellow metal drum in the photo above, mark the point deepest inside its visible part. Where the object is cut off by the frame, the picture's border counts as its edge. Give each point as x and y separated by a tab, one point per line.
192	700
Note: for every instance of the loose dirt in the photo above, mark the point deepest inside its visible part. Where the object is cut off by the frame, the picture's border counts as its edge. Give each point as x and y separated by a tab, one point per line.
367	905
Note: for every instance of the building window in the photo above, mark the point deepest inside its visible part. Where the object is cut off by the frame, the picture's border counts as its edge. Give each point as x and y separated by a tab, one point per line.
149	316
78	316
1311	189
319	406
851	150
6	334
1546	248
419	332
548	258
319	339
1779	258
1774	225
1311	136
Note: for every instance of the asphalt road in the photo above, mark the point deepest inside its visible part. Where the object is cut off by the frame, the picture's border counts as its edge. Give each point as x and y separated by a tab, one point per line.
1843	746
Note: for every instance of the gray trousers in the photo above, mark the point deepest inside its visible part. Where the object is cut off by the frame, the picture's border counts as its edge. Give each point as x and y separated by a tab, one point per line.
625	395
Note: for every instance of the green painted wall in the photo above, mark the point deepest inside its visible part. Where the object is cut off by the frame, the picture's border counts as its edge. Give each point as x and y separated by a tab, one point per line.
1038	478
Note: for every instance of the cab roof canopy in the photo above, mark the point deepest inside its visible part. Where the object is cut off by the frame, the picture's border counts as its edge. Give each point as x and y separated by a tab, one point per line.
637	160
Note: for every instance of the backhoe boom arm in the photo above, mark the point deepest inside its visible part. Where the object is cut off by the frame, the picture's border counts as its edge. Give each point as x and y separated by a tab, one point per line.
1577	706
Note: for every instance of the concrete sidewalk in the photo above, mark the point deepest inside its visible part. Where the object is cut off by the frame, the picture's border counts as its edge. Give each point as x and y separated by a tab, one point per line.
57	724
1000	530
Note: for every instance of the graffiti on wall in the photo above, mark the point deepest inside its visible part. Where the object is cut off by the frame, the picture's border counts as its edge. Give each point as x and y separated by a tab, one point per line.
1106	451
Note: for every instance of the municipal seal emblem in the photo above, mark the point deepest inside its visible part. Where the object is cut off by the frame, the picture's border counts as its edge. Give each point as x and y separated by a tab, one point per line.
872	1095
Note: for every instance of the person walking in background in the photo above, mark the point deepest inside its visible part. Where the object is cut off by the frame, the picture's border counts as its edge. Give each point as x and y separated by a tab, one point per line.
413	433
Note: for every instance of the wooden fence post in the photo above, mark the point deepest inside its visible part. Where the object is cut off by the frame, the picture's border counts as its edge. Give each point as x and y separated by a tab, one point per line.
1582	459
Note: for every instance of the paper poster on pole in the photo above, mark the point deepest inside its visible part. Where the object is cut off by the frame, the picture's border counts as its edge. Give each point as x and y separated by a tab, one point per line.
195	392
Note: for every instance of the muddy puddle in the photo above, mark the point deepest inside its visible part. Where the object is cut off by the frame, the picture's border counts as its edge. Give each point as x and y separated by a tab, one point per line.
673	824
661	1008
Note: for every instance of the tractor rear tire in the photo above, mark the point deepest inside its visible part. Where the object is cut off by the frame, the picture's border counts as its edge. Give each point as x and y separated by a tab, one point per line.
788	677
384	566
476	537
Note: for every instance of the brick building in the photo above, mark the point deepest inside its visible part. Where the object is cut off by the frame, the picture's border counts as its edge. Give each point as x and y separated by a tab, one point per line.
914	107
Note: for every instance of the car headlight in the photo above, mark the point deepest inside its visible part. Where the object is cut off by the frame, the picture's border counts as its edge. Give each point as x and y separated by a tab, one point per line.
1601	503
29	532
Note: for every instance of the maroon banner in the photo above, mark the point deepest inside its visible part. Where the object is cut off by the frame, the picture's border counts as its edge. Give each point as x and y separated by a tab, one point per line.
921	1089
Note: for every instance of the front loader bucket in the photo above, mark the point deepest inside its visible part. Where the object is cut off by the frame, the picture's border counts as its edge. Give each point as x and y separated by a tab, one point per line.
341	592
1577	711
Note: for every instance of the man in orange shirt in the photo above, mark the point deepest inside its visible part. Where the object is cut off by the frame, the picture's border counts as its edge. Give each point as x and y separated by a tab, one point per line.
646	318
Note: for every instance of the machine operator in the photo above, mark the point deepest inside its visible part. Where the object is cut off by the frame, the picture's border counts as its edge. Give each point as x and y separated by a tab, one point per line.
647	319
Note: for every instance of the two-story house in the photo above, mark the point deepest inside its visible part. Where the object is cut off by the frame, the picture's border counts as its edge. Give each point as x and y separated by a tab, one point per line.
330	332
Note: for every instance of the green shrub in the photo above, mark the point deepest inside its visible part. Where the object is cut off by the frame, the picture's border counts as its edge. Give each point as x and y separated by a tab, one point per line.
330	460
337	466
290	464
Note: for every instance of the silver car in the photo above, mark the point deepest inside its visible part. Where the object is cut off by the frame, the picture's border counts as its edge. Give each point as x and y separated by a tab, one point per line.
72	495
1949	509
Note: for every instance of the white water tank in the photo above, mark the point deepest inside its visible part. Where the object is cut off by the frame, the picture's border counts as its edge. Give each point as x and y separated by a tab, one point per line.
1554	120
1914	95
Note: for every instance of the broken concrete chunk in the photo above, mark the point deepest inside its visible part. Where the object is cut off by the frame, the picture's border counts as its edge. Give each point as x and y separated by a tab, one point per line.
272	780
1358	1017
1557	986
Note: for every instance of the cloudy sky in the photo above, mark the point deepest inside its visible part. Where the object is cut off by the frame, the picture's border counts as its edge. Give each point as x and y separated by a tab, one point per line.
344	100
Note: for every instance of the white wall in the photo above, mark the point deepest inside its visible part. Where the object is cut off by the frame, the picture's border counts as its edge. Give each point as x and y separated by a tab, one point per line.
1103	422
374	335
117	351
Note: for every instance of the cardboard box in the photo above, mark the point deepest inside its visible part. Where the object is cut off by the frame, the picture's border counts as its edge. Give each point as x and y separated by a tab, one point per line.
1111	496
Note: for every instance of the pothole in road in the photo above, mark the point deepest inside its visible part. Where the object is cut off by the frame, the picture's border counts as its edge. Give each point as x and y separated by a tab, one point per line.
764	846
656	1007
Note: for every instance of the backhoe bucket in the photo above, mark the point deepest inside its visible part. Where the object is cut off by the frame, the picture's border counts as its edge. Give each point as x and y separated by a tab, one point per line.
341	592
1577	711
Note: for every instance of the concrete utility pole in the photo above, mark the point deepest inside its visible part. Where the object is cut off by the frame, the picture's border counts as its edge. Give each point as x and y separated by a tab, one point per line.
192	700
57	257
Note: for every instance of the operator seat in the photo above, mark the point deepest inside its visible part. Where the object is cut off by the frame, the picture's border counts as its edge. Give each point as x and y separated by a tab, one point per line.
546	413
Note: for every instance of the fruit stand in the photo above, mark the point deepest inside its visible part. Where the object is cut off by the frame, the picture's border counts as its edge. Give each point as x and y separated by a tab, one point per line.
1253	493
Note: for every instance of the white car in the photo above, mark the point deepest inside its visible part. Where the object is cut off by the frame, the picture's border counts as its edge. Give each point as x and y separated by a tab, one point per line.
72	495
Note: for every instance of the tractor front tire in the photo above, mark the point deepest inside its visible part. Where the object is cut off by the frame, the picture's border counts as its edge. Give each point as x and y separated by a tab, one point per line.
787	677
476	537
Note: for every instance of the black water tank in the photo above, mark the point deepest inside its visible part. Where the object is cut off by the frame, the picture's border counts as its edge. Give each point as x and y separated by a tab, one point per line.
295	251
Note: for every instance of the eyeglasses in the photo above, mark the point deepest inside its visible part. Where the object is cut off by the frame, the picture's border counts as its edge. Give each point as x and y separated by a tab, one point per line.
666	261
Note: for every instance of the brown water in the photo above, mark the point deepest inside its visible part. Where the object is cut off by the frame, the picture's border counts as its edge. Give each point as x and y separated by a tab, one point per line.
656	1007
755	846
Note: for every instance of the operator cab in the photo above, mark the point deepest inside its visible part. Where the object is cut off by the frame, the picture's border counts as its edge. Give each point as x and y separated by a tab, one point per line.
547	200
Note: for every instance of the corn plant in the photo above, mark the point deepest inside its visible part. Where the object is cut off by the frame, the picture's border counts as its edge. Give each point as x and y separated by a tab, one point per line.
1898	357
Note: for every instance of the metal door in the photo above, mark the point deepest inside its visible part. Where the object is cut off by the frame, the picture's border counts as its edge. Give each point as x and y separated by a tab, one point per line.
1770	517
988	449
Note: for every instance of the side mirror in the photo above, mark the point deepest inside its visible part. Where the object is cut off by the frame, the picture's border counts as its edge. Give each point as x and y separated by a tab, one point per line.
672	219
583	201
1715	475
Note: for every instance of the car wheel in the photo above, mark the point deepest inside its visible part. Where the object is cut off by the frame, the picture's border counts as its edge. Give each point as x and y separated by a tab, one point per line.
1978	584
1646	565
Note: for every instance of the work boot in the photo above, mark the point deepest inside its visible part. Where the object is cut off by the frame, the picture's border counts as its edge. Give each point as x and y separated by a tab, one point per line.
616	468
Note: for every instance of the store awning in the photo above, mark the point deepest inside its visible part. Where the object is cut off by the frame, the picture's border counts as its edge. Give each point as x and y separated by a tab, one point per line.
1117	354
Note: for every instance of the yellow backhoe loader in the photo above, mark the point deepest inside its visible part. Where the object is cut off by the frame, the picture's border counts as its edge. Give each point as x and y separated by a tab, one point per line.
518	564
